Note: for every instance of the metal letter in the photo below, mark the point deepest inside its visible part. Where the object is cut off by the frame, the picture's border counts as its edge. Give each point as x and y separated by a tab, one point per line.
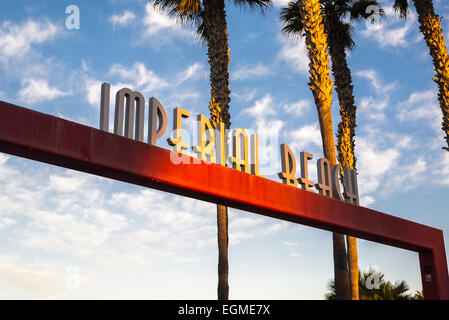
288	164
306	184
176	141
255	155
104	106
351	192
220	144
204	147
132	98
336	190
236	158
156	114
324	184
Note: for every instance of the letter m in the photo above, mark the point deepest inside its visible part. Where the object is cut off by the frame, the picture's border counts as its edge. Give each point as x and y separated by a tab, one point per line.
243	309
134	101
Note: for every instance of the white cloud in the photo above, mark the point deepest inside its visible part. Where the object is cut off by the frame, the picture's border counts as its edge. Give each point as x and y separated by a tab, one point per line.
422	105
304	137
294	54
246	95
379	86
294	254
37	90
262	107
268	127
370	104
136	77
65	184
193	72
373	164
250	72
5	222
280	3
93	91
160	27
37	280
274	228
139	76
16	40
366	201
373	105
297	108
384	167
392	31
408	176
441	169
123	19
156	20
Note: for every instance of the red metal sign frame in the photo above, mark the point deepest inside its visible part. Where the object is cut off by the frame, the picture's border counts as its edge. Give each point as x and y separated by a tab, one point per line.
41	137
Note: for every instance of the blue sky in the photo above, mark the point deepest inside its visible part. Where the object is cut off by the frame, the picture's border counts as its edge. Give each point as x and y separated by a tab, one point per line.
66	234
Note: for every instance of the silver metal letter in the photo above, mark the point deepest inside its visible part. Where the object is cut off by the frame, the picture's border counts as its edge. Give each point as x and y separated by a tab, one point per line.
157	121
324	184
306	184
104	106
220	144
177	143
205	136
351	192
288	164
133	98
336	190
255	155
236	158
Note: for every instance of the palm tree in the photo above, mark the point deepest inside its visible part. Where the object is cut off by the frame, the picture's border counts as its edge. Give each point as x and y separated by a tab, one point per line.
309	14
430	26
209	16
339	40
385	290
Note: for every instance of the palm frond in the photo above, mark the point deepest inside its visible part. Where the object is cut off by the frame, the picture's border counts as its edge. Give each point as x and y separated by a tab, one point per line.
291	17
359	9
346	31
253	4
401	7
178	8
340	7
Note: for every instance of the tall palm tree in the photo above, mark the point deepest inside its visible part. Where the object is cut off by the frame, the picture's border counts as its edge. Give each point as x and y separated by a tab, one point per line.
309	15
209	16
430	26
339	33
386	290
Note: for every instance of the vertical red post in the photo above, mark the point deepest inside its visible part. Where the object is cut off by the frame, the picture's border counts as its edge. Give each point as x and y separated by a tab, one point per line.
434	274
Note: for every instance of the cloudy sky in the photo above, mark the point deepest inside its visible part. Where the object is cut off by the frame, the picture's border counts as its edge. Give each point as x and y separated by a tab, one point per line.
71	235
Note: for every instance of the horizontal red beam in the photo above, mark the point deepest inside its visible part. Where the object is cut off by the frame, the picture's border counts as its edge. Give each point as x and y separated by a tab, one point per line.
49	139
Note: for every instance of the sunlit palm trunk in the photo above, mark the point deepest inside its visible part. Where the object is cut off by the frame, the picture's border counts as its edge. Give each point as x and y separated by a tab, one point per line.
218	53
346	129
321	86
433	34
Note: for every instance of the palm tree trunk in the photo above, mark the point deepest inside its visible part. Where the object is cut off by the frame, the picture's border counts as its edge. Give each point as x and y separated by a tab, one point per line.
223	241
346	129
321	86
430	27
218	54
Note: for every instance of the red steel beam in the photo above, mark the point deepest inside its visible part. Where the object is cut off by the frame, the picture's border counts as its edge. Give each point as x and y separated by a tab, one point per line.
56	141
